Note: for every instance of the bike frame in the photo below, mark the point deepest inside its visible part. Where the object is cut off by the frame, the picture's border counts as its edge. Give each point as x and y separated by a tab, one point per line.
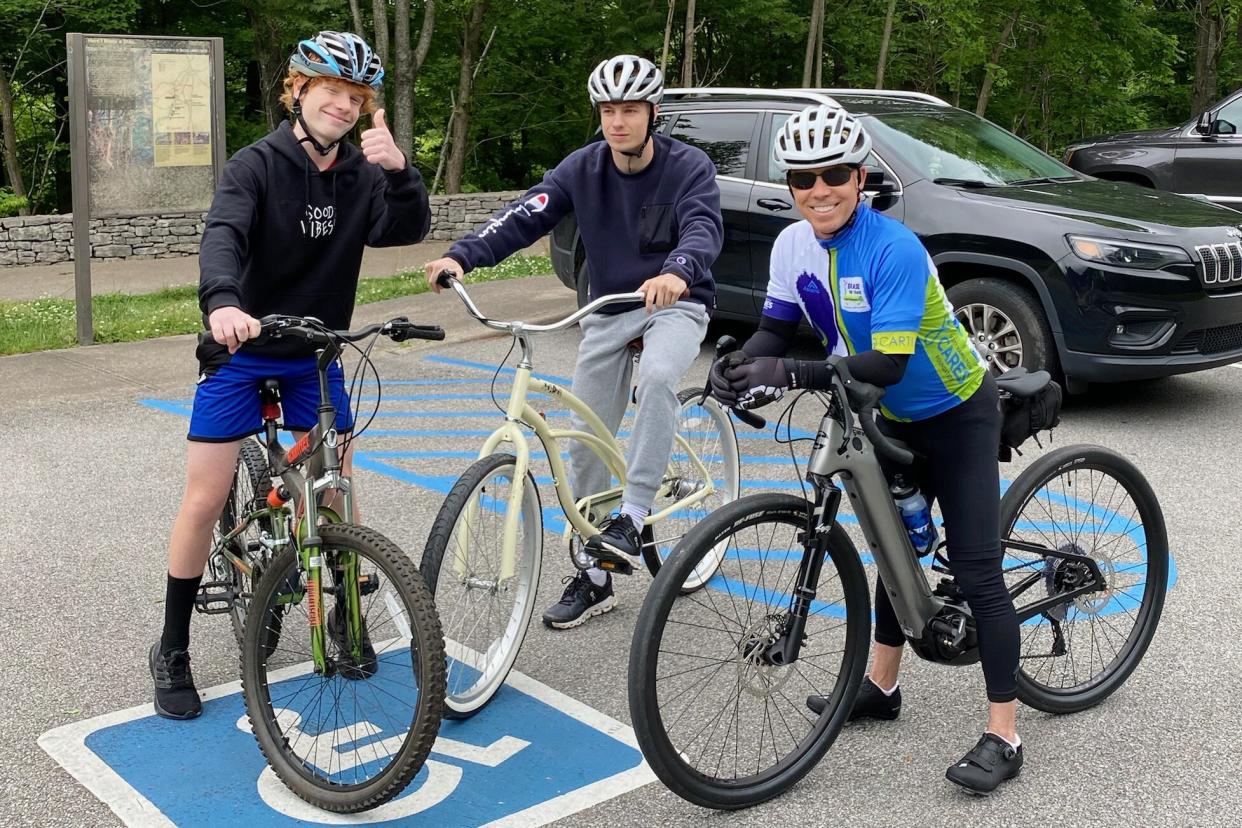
598	439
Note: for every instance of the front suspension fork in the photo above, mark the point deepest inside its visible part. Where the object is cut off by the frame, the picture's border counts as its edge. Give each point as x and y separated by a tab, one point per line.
785	649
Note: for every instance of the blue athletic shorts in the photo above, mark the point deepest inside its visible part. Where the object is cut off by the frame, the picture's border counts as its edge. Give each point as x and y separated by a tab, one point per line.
226	402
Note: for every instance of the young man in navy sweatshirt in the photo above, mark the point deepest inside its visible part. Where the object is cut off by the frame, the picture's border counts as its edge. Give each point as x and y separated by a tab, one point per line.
648	209
284	234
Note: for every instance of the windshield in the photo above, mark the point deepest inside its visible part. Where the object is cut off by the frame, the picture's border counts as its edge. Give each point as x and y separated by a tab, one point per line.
956	145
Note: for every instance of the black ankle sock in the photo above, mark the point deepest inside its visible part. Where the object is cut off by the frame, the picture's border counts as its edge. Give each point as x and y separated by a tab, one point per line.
178	605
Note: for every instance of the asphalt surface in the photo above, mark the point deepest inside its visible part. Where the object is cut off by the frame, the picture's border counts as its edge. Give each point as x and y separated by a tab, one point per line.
94	478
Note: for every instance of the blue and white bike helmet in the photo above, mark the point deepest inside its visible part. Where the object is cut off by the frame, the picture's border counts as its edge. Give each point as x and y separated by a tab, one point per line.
338	55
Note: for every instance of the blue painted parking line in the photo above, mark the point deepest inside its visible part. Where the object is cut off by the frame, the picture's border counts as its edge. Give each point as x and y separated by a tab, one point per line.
532	756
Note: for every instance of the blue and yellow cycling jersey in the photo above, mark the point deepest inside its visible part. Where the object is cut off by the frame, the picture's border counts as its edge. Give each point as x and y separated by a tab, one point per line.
874	286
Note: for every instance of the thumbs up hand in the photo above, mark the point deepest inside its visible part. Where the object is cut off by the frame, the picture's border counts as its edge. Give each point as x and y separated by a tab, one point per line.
378	146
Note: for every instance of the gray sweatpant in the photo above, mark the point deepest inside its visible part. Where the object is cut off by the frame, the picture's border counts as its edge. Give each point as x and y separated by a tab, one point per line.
671	339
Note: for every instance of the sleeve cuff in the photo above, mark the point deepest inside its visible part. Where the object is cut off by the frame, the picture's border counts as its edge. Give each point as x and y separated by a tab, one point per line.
221	299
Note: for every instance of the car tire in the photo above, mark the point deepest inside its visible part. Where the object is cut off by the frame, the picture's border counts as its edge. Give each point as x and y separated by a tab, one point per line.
581	283
986	307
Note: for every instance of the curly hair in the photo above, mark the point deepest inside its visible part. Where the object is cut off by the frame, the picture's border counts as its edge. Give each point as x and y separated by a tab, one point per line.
286	97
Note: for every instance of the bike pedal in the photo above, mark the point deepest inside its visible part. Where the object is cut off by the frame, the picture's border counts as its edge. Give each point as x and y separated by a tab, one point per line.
215	598
615	566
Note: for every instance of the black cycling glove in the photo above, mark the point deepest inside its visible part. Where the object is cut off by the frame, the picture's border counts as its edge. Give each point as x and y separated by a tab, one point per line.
757	381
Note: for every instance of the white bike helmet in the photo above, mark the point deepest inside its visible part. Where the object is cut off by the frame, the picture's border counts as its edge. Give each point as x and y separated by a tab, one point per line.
338	55
626	78
820	136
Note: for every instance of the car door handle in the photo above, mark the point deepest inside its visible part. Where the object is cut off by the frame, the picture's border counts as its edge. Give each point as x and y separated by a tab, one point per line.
773	204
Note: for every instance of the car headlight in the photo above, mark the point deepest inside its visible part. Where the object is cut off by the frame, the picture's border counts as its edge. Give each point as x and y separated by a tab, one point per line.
1126	253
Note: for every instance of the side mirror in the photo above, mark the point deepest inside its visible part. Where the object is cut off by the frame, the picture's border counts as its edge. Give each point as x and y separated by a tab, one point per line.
1203	125
1223	127
877	182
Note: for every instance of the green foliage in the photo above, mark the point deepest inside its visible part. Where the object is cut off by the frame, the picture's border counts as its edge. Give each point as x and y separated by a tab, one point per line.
11	205
1069	68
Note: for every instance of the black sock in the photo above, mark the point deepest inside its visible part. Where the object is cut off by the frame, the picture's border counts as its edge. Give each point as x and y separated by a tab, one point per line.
178	605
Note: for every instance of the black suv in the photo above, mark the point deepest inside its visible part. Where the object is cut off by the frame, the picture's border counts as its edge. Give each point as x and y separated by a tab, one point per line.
1094	280
1202	157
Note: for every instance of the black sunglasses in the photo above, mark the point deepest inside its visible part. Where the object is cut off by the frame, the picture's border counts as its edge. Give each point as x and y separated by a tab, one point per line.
833	176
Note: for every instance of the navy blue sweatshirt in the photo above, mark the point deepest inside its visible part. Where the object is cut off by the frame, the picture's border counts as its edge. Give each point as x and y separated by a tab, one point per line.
283	237
664	219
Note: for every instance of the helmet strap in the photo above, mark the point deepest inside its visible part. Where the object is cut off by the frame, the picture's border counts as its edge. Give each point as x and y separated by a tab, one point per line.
309	138
638	153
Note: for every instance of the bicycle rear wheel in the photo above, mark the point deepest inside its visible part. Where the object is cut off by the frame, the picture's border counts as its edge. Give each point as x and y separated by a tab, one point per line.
485	614
708	429
1090	501
719	724
251	483
353	737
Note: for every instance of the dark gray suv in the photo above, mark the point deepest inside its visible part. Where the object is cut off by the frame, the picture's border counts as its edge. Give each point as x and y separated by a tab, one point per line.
1093	280
1202	157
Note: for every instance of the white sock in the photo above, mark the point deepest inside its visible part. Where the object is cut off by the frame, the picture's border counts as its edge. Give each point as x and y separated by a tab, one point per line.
635	513
598	576
1014	745
887	692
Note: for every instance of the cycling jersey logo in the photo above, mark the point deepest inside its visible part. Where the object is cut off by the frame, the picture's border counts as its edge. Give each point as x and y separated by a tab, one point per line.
538	203
852	296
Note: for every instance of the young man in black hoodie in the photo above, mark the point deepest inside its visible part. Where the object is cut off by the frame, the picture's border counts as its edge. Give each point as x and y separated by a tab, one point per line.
285	234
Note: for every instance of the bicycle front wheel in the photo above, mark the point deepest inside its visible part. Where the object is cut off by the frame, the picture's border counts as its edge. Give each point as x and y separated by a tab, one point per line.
708	429
485	610
352	737
719	722
1090	501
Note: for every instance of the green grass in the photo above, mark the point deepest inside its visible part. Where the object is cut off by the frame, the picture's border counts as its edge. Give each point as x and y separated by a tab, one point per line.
45	324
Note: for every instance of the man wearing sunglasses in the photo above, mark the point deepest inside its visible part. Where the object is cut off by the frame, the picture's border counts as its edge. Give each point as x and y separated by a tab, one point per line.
648	209
870	291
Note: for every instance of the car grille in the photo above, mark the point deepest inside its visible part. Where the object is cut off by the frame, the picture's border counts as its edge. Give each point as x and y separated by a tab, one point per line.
1211	341
1221	265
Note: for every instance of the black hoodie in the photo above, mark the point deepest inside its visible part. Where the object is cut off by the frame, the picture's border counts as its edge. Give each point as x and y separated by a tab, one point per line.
283	237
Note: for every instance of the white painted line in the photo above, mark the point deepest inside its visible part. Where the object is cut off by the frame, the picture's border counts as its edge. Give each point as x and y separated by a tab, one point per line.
67	745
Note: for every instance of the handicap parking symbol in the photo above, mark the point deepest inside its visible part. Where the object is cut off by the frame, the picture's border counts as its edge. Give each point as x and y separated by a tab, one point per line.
532	756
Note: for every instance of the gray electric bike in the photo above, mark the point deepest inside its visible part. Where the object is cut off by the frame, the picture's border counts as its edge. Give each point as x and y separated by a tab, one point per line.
718	680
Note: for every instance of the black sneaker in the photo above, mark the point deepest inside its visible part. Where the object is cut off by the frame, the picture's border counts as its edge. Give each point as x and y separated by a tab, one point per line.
582	600
350	668
989	763
871	703
618	546
175	694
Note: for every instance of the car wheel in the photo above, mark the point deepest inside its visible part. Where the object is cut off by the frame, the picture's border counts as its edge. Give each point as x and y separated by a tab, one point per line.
581	282
1006	324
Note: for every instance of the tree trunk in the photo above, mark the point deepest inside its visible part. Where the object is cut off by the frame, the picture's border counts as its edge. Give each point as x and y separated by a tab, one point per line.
687	57
819	53
989	74
379	11
1209	40
12	168
882	64
812	41
355	13
456	163
402	90
271	60
424	38
668	34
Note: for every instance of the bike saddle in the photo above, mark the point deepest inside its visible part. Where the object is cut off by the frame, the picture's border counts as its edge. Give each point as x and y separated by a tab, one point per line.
1021	383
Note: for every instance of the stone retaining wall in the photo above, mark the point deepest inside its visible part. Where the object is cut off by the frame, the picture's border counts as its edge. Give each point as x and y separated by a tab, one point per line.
28	240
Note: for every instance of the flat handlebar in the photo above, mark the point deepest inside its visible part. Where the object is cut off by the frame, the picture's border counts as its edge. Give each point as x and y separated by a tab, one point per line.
277	326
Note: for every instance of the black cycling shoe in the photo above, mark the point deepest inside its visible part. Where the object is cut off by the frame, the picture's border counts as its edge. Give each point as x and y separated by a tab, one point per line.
582	600
989	763
175	694
618	546
350	668
871	703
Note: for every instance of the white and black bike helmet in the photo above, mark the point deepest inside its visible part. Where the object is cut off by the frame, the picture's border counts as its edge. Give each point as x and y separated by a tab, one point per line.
626	78
338	55
820	136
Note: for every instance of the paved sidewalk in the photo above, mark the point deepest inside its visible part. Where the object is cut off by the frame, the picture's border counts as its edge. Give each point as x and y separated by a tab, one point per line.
149	275
134	369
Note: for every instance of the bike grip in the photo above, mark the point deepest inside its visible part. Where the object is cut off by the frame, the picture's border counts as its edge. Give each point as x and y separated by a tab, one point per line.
866	418
724	345
443	279
434	332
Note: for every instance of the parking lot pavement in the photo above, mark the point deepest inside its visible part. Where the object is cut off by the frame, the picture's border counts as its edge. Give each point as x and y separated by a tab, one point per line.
94	480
